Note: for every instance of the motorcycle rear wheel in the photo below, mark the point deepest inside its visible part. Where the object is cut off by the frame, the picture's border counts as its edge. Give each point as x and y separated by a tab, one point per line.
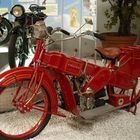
18	125
17	50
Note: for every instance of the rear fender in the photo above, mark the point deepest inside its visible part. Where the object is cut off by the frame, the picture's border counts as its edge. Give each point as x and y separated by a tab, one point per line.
17	74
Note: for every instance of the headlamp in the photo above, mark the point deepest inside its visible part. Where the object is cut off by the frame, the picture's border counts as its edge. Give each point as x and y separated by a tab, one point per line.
17	10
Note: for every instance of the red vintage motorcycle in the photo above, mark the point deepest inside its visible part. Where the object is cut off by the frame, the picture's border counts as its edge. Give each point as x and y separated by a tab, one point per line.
54	80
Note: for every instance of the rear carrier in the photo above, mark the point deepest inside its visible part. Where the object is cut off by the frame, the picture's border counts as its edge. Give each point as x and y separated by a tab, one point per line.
134	60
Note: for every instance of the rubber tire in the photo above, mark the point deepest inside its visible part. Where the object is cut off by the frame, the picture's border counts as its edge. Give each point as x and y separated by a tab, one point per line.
12	51
48	117
9	27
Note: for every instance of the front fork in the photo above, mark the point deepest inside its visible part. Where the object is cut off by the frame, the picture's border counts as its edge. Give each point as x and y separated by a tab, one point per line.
24	103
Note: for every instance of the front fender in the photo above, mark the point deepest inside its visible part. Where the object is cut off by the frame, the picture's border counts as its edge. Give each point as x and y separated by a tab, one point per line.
20	73
17	29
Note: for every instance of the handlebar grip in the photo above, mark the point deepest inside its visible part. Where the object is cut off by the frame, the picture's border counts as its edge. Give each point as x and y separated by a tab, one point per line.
35	7
41	7
91	33
65	32
4	14
32	7
99	36
49	29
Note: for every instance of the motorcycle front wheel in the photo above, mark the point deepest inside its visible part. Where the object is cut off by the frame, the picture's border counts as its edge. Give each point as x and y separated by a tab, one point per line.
18	122
17	50
5	28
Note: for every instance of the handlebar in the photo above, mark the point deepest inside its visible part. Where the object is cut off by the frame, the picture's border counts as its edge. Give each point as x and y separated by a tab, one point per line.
99	36
65	32
61	30
49	29
4	14
91	33
35	7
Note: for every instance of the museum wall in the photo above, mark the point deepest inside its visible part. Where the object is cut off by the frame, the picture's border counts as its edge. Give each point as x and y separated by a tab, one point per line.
61	16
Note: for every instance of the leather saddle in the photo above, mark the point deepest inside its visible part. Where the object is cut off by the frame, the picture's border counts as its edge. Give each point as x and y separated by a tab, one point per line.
108	53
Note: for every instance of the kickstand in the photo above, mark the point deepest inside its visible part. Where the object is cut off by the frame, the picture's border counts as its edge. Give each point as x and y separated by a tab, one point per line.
133	104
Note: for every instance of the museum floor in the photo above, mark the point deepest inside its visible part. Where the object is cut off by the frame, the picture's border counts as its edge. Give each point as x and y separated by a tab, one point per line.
118	125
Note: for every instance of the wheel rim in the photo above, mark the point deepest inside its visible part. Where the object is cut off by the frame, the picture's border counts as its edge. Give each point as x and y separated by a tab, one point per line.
20	125
3	33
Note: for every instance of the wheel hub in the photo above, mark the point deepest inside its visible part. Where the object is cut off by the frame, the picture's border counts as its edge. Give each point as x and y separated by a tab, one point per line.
22	107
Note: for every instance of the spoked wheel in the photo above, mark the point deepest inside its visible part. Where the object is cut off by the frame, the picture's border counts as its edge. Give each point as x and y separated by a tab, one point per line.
20	122
5	28
17	50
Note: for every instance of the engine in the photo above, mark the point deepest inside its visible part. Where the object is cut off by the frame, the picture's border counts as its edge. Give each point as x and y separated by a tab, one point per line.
92	102
39	30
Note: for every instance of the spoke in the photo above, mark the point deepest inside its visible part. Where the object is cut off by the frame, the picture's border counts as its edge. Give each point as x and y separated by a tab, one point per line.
39	108
17	92
122	91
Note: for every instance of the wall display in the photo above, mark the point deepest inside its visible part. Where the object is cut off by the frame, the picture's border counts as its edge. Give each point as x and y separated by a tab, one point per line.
43	2
72	15
54	12
51	9
25	0
65	13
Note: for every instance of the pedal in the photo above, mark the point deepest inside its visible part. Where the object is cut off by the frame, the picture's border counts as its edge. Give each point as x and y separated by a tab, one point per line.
90	114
